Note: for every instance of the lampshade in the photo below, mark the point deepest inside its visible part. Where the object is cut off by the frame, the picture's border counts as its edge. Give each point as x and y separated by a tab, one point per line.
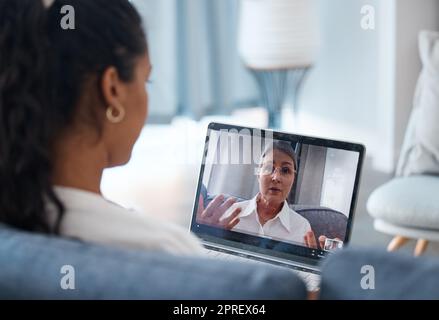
277	34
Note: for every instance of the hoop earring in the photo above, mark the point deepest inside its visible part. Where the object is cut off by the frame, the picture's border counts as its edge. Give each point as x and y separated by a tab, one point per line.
115	118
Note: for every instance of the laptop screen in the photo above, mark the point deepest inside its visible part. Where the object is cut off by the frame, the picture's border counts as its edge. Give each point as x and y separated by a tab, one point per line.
276	193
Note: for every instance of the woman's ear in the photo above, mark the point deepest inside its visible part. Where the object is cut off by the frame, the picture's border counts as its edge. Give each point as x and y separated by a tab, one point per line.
112	88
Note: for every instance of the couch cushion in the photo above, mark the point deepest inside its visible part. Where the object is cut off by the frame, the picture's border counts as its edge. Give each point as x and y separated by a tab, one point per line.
347	275
420	150
410	201
31	265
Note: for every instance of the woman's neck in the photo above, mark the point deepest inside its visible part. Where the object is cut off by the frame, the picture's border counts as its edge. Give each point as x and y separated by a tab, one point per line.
266	210
79	165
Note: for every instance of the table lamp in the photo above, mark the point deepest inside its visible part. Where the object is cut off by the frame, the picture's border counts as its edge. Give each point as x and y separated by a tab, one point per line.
277	41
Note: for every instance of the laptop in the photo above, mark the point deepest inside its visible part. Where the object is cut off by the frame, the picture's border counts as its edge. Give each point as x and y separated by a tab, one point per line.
274	197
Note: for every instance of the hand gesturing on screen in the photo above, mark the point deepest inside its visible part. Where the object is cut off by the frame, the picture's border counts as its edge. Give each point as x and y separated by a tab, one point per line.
310	240
215	210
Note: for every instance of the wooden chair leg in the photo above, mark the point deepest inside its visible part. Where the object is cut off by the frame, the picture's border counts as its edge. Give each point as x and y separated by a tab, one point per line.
396	243
421	245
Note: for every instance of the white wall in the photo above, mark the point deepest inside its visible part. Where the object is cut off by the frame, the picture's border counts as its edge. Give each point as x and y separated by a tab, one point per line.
340	95
362	84
360	88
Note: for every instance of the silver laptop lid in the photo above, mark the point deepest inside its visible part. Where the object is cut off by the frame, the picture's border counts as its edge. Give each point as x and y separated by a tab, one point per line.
293	196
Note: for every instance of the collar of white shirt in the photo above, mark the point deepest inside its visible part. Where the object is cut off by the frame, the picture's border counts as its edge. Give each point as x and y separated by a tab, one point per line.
283	215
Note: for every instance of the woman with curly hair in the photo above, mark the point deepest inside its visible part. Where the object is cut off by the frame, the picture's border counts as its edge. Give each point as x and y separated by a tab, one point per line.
72	103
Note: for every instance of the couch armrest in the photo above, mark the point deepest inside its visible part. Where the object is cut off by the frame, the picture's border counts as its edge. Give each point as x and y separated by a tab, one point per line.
396	276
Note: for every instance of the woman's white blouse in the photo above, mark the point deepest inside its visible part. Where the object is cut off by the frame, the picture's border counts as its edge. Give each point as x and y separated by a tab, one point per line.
287	225
90	217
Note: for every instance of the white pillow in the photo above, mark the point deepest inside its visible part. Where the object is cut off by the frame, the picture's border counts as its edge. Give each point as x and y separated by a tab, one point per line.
420	151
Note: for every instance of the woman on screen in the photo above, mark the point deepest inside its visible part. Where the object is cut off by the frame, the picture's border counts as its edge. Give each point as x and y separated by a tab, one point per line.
268	213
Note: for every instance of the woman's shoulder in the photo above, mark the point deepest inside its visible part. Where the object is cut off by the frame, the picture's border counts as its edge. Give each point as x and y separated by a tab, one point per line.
91	217
87	207
82	202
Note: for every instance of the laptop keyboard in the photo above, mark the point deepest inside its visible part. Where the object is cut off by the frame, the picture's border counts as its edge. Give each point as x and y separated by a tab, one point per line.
312	280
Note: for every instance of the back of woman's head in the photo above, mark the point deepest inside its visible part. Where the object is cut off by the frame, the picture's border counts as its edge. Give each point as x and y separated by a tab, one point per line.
43	73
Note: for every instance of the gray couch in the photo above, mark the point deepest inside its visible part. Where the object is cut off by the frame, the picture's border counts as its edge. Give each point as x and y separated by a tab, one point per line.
31	265
30	268
346	275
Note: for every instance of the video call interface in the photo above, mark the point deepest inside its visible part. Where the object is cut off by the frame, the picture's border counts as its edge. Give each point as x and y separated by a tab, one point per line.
275	193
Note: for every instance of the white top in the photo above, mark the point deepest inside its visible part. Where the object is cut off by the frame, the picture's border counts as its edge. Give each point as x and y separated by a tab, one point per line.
287	225
90	217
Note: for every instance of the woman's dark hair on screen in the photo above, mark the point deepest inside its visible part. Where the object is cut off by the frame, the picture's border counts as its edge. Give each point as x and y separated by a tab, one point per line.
43	69
283	146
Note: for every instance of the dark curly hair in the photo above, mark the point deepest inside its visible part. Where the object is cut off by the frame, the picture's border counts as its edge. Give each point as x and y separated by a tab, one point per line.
43	69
